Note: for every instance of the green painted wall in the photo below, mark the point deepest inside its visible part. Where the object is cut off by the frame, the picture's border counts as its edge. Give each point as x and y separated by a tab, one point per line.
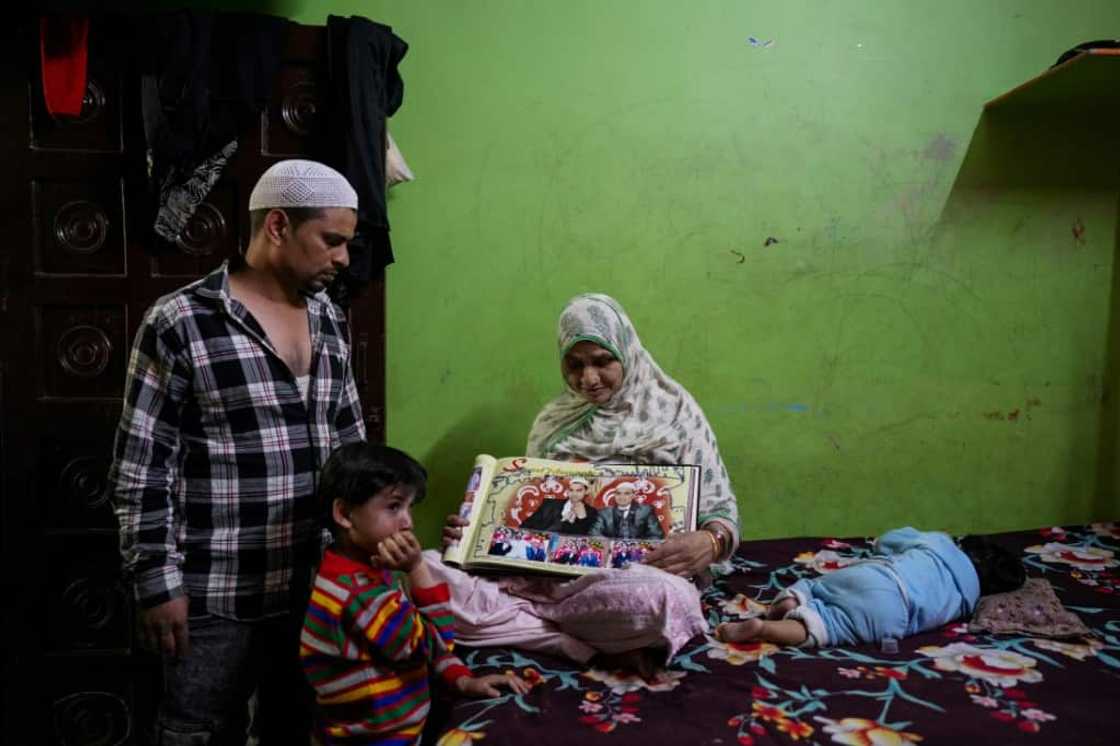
883	363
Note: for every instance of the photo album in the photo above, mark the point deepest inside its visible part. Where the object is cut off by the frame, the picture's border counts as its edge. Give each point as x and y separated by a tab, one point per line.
567	517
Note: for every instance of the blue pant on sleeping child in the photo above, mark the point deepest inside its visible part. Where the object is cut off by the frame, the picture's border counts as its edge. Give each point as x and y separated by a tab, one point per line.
916	581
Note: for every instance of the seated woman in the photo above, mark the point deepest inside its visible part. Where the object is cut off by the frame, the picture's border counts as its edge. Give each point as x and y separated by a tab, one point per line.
620	407
570	516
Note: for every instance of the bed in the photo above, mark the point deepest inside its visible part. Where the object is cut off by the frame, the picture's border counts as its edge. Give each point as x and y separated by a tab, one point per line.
944	686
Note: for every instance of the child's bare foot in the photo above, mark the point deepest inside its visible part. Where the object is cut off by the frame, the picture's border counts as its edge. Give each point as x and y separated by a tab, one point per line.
739	631
780	609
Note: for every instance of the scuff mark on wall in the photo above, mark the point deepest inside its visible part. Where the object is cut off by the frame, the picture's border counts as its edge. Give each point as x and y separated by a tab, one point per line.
1078	232
1014	414
940	148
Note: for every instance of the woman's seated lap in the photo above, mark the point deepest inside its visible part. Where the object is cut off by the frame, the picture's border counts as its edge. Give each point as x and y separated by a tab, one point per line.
621	407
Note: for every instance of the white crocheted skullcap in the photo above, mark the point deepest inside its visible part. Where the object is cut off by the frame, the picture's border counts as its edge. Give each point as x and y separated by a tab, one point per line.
300	183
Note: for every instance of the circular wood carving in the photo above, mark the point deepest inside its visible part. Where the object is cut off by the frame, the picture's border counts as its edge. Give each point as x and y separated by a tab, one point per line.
300	108
204	232
91	719
83	480
93	102
91	604
81	227
84	351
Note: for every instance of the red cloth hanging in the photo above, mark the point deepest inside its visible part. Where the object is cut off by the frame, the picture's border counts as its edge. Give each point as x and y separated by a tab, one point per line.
63	48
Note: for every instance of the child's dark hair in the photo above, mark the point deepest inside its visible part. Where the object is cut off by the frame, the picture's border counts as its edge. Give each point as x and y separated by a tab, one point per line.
999	569
357	471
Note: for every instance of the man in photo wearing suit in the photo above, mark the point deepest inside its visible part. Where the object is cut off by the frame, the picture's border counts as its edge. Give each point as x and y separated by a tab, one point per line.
625	520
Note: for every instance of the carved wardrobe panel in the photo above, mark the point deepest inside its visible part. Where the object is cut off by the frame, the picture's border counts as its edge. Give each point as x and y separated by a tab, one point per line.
76	274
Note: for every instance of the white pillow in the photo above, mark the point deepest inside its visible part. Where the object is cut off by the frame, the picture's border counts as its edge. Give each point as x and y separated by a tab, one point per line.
396	170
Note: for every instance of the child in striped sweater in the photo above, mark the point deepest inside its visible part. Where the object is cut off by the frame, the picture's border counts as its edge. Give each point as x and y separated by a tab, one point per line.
371	642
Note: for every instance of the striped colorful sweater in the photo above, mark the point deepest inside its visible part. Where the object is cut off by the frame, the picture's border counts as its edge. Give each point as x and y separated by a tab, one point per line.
368	649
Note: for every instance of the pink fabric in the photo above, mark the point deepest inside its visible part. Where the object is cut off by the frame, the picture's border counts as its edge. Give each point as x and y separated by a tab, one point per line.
610	611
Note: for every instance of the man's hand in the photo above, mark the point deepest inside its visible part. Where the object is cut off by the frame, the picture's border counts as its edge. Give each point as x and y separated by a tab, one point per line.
163	628
487	686
686	554
453	529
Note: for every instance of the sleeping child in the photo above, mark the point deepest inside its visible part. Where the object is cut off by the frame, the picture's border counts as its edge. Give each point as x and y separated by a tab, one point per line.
916	581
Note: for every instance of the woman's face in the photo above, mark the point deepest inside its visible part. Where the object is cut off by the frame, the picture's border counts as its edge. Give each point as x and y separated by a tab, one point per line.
592	372
577	492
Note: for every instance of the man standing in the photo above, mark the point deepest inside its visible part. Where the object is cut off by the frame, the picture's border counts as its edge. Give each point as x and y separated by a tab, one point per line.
625	520
239	386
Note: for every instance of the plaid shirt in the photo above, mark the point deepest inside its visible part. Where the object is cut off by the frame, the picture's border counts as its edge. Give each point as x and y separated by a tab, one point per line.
217	453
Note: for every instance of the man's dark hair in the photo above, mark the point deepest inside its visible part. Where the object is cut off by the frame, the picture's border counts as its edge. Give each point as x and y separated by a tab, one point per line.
296	216
356	472
999	569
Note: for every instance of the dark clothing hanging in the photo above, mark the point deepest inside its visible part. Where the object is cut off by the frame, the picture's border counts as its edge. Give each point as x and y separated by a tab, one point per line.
365	89
193	59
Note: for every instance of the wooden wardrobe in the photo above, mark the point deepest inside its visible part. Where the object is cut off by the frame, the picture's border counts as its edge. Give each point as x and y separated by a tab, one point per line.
75	279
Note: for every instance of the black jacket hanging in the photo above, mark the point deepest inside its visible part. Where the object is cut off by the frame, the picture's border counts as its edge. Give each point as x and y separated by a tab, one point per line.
365	89
192	61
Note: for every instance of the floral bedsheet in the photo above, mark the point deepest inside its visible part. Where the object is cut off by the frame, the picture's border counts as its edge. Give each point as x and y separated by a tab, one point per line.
944	686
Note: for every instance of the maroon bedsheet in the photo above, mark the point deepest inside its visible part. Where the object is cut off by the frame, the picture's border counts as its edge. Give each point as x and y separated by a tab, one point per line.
945	686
